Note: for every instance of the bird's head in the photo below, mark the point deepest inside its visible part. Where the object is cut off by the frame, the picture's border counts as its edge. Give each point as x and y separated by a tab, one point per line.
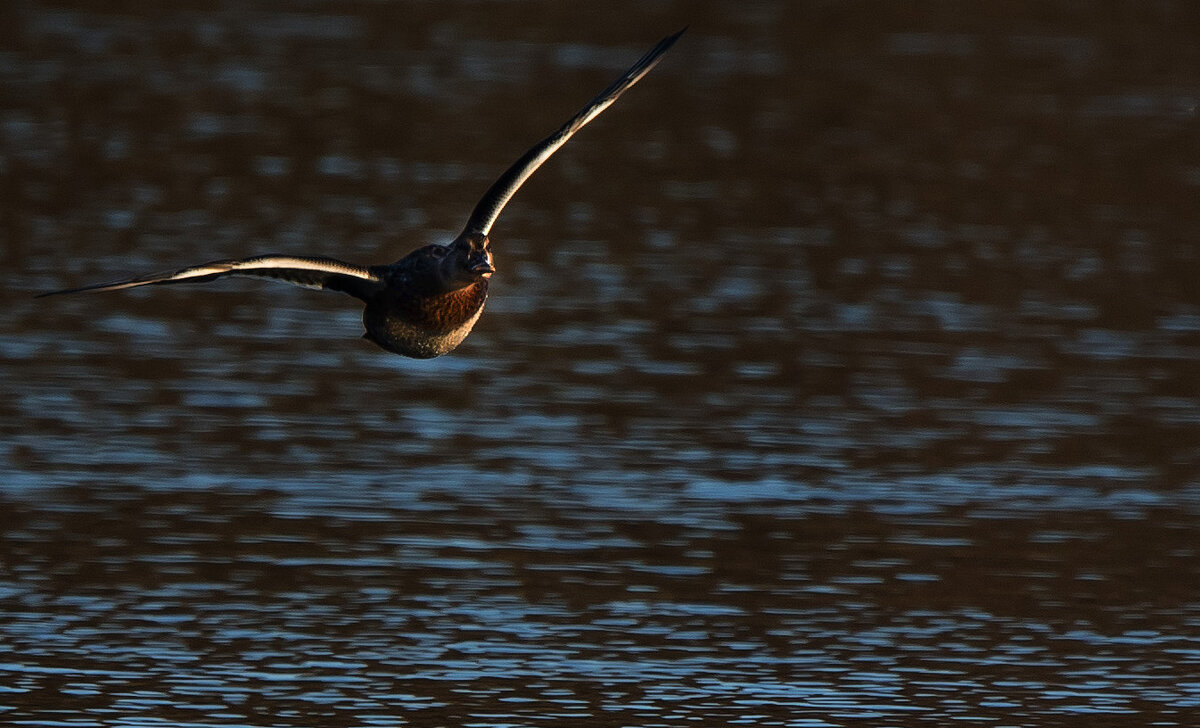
468	260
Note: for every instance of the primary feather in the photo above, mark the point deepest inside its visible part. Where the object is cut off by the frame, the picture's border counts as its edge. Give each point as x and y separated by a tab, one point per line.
309	272
493	201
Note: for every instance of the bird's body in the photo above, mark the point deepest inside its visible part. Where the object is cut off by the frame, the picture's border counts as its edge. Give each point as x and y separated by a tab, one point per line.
426	303
419	314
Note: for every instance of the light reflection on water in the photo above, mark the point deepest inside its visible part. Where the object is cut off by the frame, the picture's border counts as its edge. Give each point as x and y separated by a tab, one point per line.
802	399
367	609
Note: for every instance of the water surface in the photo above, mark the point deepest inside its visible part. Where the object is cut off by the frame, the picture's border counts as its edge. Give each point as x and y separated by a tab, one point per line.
844	373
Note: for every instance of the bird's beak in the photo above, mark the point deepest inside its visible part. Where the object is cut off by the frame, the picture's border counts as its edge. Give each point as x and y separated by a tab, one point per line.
483	266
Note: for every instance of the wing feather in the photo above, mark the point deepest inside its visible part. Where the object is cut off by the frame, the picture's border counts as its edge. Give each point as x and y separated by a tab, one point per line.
488	208
310	272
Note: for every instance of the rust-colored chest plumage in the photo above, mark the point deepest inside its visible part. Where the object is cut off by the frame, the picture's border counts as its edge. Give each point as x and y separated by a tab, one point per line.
424	325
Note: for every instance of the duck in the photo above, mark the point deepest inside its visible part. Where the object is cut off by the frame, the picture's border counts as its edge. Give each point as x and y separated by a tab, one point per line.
425	304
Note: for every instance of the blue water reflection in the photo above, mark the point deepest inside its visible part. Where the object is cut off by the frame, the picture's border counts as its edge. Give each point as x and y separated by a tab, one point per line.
844	375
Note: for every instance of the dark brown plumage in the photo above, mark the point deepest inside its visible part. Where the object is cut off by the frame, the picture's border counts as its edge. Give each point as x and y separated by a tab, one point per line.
426	303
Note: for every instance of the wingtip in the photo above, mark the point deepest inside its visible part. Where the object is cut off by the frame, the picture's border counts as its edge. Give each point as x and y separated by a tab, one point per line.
47	294
669	41
83	289
651	59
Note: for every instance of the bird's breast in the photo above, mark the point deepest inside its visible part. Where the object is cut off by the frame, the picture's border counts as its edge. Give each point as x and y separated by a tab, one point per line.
424	326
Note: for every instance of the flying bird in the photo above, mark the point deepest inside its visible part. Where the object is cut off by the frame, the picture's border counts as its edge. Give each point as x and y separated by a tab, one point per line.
426	303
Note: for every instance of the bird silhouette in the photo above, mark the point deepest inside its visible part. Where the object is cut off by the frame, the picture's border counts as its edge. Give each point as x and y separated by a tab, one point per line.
426	303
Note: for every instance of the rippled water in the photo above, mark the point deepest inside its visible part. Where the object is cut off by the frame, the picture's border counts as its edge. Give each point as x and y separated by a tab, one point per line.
844	373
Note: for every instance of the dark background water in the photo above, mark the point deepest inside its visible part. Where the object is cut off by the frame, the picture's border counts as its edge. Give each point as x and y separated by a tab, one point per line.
843	373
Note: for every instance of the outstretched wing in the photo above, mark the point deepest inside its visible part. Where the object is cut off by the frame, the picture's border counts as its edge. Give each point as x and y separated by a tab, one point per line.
488	209
301	271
